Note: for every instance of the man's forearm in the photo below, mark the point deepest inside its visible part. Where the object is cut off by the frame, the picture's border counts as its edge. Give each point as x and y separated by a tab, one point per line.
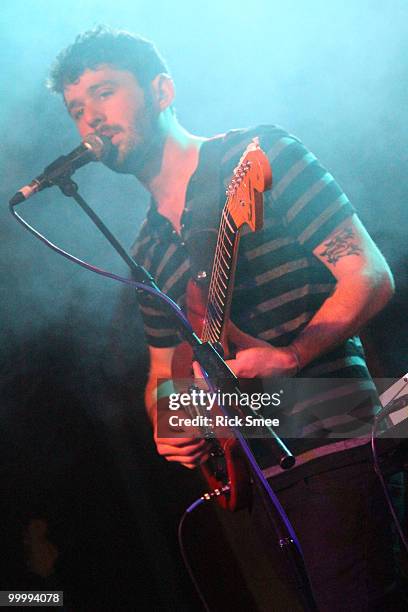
353	303
154	392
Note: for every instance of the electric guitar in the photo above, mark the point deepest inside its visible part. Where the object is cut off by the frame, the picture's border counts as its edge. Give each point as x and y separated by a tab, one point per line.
208	309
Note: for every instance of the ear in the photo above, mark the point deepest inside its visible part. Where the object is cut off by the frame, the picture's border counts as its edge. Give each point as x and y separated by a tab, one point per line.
163	91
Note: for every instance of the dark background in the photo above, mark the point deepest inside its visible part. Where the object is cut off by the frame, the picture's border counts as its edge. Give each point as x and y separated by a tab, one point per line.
75	446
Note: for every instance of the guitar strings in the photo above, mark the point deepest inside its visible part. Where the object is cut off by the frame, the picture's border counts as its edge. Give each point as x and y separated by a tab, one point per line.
213	322
208	329
213	319
213	293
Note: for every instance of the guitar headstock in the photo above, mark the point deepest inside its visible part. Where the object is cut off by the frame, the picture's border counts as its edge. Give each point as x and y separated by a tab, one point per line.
251	178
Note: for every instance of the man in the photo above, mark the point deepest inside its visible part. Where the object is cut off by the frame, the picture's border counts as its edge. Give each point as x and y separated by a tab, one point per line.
315	275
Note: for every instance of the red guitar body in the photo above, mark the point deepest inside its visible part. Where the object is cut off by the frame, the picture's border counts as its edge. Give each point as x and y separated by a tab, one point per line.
227	466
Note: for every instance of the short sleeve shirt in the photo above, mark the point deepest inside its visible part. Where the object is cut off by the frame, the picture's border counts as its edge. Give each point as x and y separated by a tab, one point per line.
279	283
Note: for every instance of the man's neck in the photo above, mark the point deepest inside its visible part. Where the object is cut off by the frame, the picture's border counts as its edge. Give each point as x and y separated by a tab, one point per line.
179	154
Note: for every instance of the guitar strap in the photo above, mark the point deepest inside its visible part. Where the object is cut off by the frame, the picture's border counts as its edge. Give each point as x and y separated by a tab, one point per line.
204	203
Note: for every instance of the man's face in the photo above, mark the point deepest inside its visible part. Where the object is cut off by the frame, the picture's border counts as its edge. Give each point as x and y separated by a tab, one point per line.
110	102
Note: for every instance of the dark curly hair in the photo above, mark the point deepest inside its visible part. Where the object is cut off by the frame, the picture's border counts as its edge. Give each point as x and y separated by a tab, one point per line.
105	45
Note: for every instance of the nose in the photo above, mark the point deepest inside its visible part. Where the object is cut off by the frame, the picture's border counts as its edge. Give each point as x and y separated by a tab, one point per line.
93	117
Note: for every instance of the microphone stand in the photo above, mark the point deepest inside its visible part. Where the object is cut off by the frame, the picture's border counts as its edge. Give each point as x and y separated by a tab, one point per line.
218	377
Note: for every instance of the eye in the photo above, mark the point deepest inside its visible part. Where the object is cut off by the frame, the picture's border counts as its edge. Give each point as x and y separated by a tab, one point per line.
105	93
78	114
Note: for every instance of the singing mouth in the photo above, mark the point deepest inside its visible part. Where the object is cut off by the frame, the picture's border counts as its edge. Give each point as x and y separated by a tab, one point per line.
109	133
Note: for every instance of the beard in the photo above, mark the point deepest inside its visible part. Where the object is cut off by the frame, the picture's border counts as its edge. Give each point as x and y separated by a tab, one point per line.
130	156
140	147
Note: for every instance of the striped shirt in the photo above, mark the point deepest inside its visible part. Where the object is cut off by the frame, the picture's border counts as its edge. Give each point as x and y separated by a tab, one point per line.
279	283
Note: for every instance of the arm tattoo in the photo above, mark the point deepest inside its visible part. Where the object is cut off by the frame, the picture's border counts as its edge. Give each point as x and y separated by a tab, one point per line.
342	244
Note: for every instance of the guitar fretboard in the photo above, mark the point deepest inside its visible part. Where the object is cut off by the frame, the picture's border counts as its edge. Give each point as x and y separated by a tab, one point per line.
222	277
244	205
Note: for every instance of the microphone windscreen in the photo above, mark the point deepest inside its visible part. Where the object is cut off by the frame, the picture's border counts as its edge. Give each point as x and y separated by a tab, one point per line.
99	145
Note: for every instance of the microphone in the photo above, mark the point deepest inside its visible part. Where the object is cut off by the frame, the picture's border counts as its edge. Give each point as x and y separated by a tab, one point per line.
93	148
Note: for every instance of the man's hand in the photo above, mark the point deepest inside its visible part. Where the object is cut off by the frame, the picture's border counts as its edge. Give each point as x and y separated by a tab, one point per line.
258	359
190	452
264	362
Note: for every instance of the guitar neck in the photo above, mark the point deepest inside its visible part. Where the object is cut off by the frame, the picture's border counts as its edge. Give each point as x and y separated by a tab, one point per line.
244	205
222	279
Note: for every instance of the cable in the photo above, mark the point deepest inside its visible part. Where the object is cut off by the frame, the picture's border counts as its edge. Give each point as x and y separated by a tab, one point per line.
205	352
209	496
70	257
140	286
184	555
